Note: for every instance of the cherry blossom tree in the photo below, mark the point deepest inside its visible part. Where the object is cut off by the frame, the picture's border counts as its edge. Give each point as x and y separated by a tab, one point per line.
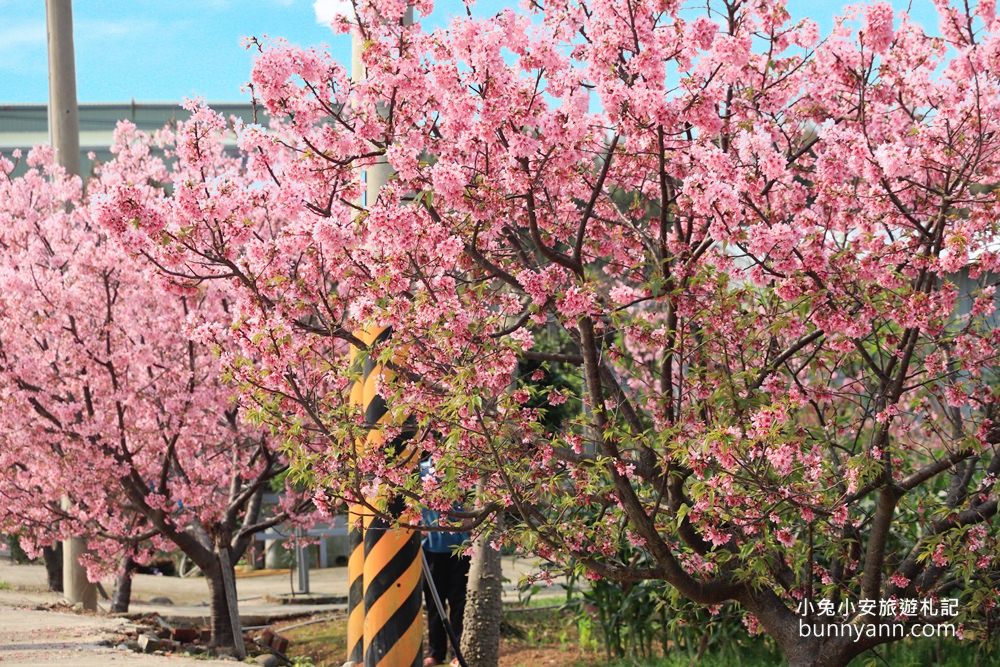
114	423
771	258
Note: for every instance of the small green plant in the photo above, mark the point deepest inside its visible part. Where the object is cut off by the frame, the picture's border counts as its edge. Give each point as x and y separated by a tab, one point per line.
587	636
942	652
4	586
647	623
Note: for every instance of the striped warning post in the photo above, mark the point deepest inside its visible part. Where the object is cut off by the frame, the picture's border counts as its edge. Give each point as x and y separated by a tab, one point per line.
393	627
391	633
356	545
355	590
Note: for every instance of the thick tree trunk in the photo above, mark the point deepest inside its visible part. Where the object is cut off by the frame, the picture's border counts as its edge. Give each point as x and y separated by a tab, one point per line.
805	658
52	556
817	652
483	606
122	596
803	643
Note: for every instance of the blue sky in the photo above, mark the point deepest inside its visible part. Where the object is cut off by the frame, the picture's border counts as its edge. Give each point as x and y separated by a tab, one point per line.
166	50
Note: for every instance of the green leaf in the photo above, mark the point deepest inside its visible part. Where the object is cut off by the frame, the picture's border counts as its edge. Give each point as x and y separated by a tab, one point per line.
682	512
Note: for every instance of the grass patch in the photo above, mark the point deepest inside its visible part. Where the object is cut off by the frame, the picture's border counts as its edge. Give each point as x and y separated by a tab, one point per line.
540	634
4	586
941	652
322	644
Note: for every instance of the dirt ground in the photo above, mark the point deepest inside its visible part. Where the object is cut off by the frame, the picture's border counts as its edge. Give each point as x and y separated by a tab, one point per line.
547	657
35	638
553	643
39	638
43	638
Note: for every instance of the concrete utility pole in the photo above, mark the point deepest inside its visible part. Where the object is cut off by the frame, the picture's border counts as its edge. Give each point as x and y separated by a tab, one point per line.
64	135
64	122
302	561
376	175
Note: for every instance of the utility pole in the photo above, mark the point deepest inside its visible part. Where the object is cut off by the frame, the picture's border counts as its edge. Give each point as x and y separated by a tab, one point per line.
64	121
64	135
302	561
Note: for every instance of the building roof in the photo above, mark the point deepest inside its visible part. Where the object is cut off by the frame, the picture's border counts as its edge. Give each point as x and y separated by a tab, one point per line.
23	126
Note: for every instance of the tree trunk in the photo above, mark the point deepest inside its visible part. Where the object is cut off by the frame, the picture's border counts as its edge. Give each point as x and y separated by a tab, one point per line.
222	631
803	642
804	659
816	653
122	596
484	605
52	556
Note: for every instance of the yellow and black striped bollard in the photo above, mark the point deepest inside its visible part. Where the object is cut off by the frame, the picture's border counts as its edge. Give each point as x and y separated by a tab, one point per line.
389	576
357	518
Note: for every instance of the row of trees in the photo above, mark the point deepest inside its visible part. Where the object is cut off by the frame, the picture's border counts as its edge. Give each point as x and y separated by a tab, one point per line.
771	259
115	423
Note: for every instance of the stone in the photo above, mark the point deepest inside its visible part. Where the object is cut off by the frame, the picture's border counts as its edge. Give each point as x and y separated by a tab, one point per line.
185	635
148	643
268	660
161	600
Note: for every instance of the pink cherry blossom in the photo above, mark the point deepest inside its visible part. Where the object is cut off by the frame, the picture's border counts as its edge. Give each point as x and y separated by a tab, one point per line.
764	259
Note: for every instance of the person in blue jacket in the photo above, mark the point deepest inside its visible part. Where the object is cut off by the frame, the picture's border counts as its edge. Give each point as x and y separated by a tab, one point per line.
449	569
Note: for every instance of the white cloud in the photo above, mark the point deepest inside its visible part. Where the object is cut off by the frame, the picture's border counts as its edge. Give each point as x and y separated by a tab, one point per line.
23	45
18	36
28	35
328	10
22	48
